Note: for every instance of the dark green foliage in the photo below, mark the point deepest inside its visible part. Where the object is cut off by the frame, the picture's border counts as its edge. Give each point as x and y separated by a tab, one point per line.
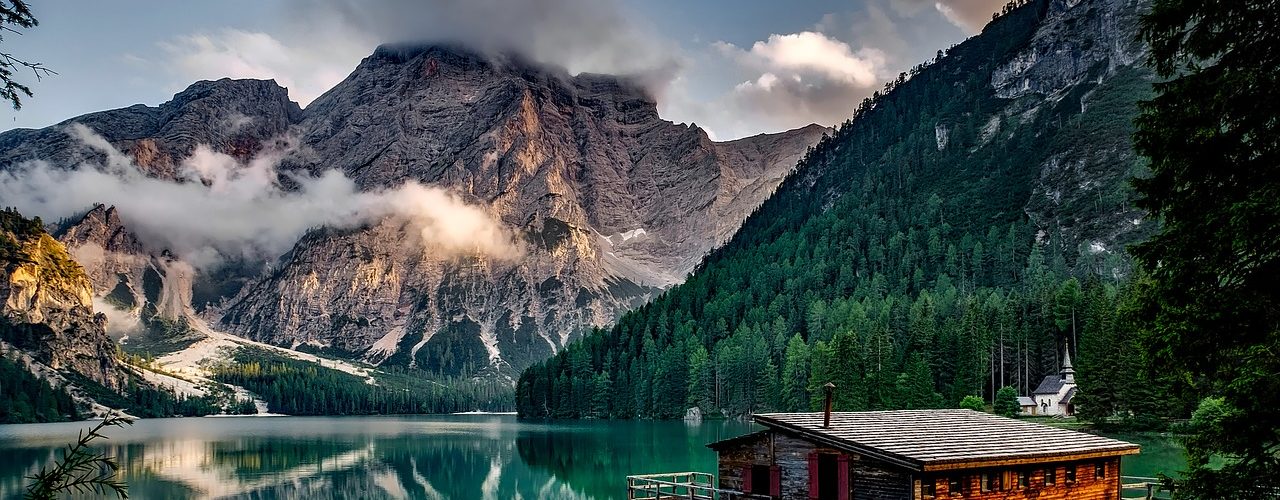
296	387
222	282
120	296
80	470
973	403
14	16
1006	403
908	272
1211	308
25	398
141	399
13	222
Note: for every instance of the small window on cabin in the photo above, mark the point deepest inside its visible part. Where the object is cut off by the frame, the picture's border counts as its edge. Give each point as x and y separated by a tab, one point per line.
990	481
1071	473
1024	479
953	485
928	488
1099	470
760	479
1051	476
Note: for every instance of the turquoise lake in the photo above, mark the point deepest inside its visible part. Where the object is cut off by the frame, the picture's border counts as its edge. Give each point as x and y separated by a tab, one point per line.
452	456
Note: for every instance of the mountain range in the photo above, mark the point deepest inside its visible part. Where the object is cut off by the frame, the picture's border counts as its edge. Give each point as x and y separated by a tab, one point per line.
964	229
965	198
606	204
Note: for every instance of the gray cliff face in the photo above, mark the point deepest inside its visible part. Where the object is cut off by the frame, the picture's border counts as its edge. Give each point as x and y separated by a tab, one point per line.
1077	41
231	116
110	254
611	202
46	305
137	286
1084	59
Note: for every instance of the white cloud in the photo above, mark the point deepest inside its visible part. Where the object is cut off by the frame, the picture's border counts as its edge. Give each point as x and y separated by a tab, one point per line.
306	69
814	53
223	207
793	80
969	15
599	36
322	41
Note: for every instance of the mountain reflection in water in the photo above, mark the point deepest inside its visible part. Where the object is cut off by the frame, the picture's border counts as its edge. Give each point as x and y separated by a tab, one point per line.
459	456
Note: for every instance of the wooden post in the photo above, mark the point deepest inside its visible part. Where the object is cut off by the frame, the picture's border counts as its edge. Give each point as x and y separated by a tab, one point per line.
842	475
813	474
775	481
830	389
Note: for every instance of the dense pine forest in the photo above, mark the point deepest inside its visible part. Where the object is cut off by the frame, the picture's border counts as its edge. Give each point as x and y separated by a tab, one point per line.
297	387
25	398
897	264
140	399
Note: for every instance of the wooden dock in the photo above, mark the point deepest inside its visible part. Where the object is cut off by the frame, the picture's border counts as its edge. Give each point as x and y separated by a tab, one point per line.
680	485
1144	488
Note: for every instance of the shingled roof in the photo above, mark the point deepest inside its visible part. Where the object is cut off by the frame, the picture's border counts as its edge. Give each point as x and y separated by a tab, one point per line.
929	440
1050	385
1071	394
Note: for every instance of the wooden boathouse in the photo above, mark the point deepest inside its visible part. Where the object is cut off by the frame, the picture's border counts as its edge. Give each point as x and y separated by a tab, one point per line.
917	454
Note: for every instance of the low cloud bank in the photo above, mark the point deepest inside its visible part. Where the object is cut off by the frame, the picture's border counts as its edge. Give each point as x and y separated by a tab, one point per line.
225	208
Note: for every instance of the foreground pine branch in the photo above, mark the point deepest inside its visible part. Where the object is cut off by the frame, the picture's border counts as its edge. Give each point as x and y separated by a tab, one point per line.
80	470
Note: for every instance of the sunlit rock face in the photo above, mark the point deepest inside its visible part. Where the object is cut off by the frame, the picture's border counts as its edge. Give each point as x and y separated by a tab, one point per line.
46	306
609	203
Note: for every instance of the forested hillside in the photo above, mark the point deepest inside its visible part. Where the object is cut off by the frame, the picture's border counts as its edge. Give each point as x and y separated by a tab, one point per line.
950	239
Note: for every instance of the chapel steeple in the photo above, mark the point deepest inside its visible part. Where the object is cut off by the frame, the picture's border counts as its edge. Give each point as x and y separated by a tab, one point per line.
1068	372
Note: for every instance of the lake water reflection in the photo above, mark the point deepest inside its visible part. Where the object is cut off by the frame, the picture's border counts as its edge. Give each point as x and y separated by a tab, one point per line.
457	456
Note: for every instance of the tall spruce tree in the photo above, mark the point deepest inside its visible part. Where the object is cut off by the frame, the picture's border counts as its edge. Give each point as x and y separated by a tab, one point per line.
1211	306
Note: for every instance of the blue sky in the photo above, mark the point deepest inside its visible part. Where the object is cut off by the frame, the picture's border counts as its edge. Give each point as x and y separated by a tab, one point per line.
736	68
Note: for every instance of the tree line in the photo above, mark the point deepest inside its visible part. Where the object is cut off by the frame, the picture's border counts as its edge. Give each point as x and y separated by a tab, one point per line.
296	387
901	267
26	398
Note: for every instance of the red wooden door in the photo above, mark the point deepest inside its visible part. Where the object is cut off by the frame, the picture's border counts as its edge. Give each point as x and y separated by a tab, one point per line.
813	474
775	481
843	462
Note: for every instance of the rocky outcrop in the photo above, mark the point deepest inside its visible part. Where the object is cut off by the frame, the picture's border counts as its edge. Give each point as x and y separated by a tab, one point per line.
1083	64
1082	201
231	116
112	257
46	304
1077	41
612	203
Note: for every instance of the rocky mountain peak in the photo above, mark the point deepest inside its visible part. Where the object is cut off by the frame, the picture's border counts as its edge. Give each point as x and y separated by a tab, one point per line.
611	202
46	304
231	116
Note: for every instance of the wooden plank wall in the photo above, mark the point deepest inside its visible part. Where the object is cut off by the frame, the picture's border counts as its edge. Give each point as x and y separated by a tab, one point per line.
874	480
1085	487
869	479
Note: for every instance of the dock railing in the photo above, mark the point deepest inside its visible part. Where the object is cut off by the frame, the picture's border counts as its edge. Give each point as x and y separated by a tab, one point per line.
1144	488
678	485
